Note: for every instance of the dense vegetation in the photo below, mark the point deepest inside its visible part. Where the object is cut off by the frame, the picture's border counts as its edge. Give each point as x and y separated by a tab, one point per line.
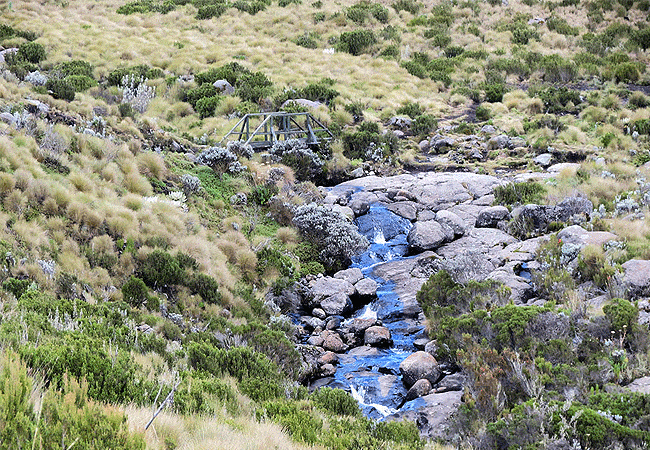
129	268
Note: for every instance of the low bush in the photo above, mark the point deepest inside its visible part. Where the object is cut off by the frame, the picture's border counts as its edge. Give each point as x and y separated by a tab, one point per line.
159	269
512	194
357	41
135	292
61	89
335	401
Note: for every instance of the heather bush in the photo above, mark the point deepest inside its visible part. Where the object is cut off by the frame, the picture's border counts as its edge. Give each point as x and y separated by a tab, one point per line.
159	269
335	401
336	237
512	194
220	159
61	89
135	292
357	41
205	286
31	52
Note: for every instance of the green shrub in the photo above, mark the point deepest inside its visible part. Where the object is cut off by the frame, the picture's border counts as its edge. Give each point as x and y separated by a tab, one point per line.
483	113
80	83
641	37
138	72
306	40
31	52
261	390
424	124
230	72
205	286
160	269
60	89
561	26
253	87
301	425
411	109
16	286
75	67
494	92
519	193
206	106
211	11
627	72
336	401
556	99
205	90
357	41
411	6
197	395
238	362
623	316
135	292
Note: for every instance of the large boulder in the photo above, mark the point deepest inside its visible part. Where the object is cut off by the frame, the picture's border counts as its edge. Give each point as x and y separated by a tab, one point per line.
636	279
366	288
417	366
332	342
377	336
577	235
419	389
325	287
452	220
337	304
351	275
224	87
490	217
427	235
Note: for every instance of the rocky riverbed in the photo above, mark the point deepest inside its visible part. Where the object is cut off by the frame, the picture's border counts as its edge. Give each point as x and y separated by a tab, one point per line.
363	329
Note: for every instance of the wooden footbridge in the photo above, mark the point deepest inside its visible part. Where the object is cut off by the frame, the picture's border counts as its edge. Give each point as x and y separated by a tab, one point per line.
262	130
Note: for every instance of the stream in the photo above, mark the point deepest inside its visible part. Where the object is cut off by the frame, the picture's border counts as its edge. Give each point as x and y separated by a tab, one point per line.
371	374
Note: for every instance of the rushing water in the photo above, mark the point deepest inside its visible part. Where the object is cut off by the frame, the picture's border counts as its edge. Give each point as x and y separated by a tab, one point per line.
371	375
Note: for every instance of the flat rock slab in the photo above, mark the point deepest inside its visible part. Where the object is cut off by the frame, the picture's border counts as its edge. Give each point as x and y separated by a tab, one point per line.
640	385
489	241
577	235
325	287
523	251
406	285
432	413
431	189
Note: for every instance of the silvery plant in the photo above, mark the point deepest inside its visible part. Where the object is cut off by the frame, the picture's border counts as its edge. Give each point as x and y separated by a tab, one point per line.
136	93
336	237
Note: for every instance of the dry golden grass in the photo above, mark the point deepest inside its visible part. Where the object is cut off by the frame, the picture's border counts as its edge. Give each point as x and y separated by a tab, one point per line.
201	432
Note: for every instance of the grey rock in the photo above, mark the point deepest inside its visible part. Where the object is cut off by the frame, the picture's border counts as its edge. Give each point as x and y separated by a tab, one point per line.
359	207
377	336
312	322
224	87
403	123
352	275
490	217
7	118
520	288
303	102
309	366
640	385
560	167
575	209
419	389
337	304
333	323
406	209
315	340
451	220
636	278
325	287
434	415
427	235
424	145
319	313
327	370
332	342
453	382
427	214
359	326
488	129
421	343
543	160
577	235
366	287
328	358
357	173
417	366
517	142
441	143
498	142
